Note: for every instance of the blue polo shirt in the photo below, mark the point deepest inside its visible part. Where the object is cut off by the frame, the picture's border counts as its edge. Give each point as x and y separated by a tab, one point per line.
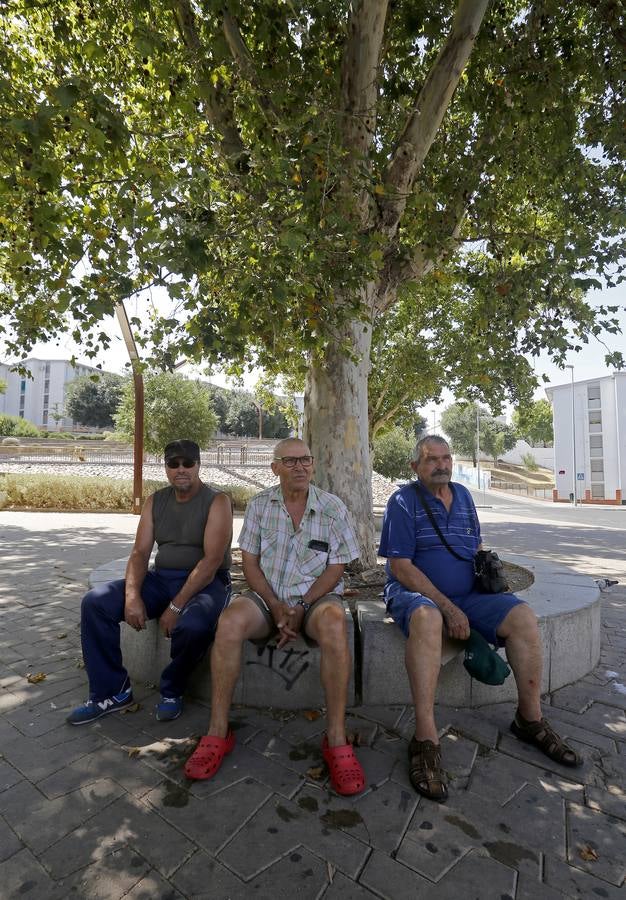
408	534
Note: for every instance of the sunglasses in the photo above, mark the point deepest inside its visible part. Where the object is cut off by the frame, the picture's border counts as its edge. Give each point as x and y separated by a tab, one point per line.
177	462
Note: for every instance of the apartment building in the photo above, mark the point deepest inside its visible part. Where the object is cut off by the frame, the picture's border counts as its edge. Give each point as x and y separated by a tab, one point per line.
41	398
590	432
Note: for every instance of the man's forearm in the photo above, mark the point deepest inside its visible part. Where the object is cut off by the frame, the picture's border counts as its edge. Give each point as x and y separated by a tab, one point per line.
136	569
324	583
200	576
258	583
414	580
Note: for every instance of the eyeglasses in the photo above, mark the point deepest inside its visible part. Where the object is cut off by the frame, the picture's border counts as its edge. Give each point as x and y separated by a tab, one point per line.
177	462
291	461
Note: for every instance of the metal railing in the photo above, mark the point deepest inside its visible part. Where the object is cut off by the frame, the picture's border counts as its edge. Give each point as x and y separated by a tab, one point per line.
110	454
515	487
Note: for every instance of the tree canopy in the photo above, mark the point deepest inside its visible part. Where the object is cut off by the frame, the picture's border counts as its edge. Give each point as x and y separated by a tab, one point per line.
293	175
533	423
174	408
93	399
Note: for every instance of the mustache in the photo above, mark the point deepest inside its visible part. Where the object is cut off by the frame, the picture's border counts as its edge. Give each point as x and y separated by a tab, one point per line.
441	472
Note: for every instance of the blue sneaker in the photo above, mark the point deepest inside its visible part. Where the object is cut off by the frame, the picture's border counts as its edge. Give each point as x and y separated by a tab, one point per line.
95	709
169	708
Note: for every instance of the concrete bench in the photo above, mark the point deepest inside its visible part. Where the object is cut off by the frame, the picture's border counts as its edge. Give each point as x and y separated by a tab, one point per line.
567	605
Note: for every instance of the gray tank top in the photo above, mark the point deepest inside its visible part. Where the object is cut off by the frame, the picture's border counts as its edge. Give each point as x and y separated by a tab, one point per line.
179	528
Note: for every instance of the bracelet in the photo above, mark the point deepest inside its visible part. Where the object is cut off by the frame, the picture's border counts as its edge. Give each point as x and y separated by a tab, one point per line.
305	606
176	609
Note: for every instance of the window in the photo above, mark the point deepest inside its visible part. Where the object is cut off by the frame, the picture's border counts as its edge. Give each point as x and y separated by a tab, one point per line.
597	491
597	470
593	396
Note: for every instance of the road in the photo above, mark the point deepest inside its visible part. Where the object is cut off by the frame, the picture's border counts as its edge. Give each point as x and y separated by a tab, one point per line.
590	539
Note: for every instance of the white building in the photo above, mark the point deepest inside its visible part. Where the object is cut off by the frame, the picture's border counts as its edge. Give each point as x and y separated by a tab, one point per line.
41	398
596	412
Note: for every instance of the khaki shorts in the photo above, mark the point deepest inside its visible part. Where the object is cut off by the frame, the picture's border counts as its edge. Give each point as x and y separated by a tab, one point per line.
274	632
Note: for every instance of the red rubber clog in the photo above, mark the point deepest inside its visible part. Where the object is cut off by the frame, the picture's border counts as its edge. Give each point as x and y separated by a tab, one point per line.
208	756
346	774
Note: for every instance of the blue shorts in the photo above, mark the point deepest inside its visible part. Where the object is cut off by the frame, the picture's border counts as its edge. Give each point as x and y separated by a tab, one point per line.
485	612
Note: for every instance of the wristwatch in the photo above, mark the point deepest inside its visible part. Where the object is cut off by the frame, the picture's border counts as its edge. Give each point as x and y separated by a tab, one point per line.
305	606
174	608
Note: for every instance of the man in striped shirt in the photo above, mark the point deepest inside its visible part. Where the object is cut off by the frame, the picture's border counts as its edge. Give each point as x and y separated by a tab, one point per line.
429	589
295	541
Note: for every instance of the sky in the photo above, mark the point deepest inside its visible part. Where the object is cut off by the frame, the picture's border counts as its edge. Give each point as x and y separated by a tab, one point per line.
588	362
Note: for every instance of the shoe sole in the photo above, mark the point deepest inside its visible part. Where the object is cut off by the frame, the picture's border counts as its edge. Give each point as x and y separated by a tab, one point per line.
169	718
102	714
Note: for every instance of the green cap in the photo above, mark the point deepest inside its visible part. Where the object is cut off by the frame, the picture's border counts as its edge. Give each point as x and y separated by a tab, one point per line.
483	662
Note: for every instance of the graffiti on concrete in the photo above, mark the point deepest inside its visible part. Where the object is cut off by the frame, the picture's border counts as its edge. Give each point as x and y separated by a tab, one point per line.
289	664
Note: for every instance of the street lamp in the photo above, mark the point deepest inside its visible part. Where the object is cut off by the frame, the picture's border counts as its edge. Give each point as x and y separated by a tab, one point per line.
571	368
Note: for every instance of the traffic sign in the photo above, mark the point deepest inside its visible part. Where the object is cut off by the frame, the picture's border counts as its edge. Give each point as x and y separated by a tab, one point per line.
580	476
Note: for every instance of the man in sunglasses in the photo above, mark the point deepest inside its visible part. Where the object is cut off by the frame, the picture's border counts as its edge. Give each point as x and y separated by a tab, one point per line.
186	590
295	542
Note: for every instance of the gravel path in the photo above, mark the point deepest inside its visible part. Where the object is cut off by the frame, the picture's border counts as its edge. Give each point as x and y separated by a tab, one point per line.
258	477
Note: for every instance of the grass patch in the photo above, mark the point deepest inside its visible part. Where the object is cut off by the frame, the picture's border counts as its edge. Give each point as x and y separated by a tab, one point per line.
65	492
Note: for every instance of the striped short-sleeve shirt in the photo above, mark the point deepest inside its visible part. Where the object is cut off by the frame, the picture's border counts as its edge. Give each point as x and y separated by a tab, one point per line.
287	559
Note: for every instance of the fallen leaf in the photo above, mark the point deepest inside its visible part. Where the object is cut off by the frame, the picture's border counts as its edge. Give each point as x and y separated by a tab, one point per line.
351	592
587	853
35	679
133	708
61	636
312	714
316	773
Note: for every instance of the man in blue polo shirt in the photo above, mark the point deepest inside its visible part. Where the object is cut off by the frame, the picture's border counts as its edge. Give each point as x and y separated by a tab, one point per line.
427	588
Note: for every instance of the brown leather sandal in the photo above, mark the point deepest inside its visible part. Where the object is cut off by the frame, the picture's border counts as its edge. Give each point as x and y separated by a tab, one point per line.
542	735
425	770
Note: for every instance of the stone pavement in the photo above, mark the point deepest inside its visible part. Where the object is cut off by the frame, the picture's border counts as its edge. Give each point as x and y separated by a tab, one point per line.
103	811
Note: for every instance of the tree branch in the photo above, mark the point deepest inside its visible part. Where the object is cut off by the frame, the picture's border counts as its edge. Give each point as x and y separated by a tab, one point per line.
359	94
432	103
218	106
242	56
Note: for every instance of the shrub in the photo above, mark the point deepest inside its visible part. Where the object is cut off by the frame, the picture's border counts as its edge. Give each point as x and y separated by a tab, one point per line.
392	454
66	492
15	426
10	442
530	462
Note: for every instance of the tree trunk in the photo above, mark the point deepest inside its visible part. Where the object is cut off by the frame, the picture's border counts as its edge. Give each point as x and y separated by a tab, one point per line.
336	430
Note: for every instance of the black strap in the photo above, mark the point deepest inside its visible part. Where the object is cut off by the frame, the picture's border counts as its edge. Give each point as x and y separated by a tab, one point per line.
429	513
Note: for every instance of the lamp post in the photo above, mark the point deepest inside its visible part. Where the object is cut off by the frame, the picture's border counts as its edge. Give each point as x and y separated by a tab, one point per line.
133	355
574	474
478	444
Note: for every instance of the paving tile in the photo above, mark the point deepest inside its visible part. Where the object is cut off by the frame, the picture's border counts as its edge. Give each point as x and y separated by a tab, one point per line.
109	878
300	758
23	876
151	886
472	724
392	880
107	762
458	755
125	823
203	878
36	762
387	716
278	828
605	835
342	888
209	824
611	800
474	871
604	720
378	817
9	841
299	873
574	883
500	777
8	775
244	762
533	889
40	822
510	746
